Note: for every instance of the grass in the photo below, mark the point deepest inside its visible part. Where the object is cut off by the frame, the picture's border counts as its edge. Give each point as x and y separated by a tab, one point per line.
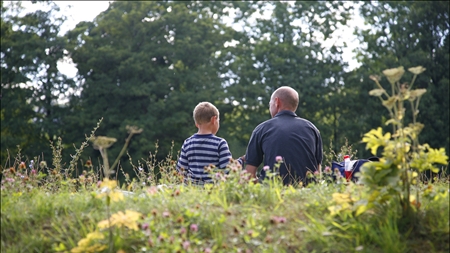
230	216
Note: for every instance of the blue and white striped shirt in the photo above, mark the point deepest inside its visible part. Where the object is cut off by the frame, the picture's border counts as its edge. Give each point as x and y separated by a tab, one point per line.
200	151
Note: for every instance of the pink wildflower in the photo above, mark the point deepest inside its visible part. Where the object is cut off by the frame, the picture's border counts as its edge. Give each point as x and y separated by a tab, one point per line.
194	227
266	168
186	245
208	250
145	226
278	158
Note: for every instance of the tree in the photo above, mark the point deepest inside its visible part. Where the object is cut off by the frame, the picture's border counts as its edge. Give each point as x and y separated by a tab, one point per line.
408	34
280	44
146	64
32	86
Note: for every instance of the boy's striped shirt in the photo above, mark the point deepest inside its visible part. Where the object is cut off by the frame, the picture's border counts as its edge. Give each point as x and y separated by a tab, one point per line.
199	151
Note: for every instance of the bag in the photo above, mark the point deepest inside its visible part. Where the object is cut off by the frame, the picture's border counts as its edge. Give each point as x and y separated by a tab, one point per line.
356	165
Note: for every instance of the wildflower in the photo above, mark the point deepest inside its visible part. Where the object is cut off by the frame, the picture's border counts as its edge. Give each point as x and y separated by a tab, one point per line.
110	184
279	159
166	214
22	166
186	245
276	220
145	226
266	168
182	230
394	74
12	170
108	189
194	227
316	173
43	164
86	244
417	70
140	169
128	219
9	179
207	250
31	164
33	172
327	170
88	163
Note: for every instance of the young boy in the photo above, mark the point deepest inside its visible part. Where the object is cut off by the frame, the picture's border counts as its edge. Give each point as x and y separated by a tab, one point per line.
203	148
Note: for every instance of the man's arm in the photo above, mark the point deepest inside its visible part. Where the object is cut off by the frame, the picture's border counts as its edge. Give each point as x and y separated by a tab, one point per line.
252	170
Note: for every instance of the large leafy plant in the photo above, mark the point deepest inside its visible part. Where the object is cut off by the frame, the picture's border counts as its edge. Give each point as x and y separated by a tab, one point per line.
403	158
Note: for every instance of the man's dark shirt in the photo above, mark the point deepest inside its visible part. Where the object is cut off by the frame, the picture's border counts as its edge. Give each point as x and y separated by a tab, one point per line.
295	139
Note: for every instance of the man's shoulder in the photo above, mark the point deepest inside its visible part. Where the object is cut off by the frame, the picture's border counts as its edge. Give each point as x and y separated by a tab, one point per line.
307	123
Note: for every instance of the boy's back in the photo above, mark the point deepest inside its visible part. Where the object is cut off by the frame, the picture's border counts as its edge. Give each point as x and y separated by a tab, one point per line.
200	151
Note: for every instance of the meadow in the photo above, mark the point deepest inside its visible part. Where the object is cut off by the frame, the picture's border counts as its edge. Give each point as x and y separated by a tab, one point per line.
43	210
398	204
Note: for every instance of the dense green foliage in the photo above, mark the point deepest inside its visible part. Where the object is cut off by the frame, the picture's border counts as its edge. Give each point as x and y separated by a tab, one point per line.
147	64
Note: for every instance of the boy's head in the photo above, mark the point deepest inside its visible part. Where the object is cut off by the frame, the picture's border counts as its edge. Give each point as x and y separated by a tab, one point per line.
204	111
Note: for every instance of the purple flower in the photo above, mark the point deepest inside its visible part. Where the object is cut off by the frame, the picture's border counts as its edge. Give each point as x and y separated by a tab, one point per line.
186	245
278	158
194	227
316	173
145	226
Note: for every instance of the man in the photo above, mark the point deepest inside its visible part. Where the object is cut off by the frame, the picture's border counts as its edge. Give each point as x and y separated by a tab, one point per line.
287	137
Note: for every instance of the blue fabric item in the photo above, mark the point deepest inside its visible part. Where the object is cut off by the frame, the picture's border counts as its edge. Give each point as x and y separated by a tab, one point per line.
356	167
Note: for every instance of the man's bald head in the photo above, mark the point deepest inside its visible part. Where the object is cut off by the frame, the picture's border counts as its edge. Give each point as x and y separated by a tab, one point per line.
288	98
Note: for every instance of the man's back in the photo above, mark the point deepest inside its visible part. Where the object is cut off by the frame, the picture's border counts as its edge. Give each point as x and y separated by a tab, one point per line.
295	139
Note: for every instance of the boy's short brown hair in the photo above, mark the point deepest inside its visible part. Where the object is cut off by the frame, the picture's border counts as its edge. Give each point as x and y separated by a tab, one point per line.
204	111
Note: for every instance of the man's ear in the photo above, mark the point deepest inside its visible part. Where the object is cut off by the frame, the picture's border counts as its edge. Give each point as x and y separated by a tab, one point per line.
277	102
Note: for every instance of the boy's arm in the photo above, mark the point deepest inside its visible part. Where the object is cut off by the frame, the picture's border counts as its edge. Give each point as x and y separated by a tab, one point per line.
241	160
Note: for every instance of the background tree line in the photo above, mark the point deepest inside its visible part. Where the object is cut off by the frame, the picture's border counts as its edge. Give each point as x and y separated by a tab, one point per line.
147	64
